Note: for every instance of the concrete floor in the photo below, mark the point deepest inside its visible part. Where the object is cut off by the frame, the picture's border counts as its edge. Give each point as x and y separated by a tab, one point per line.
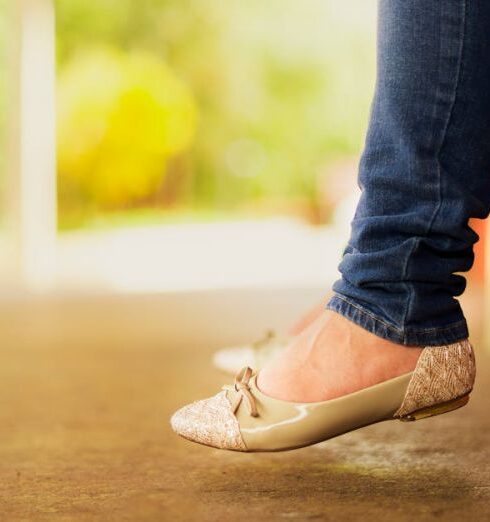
85	398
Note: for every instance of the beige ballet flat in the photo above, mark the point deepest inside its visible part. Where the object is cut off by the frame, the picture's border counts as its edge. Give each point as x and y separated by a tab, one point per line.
242	418
231	360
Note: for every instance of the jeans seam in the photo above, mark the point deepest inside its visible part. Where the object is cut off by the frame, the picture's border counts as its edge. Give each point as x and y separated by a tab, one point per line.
406	284
368	313
438	162
394	328
449	116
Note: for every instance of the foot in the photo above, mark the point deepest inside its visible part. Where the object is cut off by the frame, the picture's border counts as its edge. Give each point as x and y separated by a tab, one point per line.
333	357
309	317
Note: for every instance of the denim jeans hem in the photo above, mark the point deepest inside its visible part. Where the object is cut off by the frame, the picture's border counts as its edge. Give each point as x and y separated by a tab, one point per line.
359	315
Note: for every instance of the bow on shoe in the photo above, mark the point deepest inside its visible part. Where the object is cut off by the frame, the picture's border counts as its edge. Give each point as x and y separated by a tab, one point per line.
242	389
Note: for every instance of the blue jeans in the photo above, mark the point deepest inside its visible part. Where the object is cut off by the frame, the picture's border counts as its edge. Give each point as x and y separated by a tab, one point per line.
424	172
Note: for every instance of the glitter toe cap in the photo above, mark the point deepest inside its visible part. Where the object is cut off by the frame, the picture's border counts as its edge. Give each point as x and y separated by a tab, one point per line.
210	422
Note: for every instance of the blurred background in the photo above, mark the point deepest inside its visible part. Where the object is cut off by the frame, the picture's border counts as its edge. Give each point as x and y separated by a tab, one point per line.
182	149
185	123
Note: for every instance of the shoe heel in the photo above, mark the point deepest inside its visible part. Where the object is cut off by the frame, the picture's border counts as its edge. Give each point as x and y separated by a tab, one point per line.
437	409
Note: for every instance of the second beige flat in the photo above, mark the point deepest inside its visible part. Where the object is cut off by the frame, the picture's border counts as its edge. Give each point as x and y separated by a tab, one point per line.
232	359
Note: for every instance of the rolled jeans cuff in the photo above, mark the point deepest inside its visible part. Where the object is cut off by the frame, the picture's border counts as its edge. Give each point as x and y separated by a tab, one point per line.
360	315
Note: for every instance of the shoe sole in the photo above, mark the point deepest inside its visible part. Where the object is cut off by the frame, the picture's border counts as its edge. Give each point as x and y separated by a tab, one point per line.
437	409
423	413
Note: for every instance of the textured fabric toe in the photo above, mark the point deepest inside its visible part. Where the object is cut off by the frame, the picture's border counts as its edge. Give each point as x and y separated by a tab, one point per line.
210	422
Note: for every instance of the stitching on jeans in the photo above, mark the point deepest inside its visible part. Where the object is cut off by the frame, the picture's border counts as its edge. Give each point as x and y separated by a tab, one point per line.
438	328
368	313
406	284
449	117
438	161
453	326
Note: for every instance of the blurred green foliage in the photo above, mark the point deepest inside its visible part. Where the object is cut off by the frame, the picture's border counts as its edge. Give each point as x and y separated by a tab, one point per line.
120	117
281	89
